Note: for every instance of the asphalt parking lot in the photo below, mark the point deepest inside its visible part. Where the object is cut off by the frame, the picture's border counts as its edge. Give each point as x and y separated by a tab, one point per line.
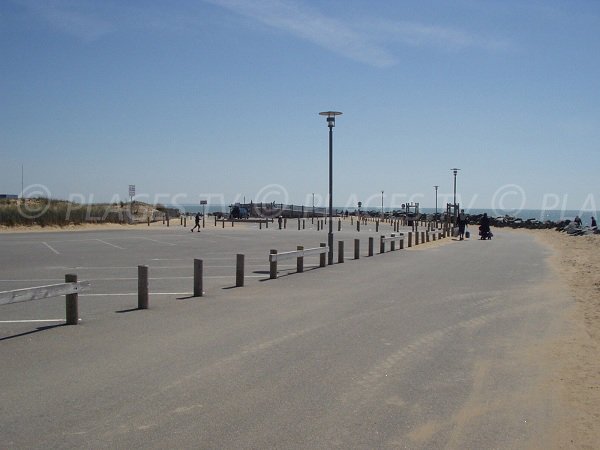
420	349
108	259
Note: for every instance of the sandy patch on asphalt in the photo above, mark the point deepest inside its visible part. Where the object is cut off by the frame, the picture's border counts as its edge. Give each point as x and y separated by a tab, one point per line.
431	243
576	261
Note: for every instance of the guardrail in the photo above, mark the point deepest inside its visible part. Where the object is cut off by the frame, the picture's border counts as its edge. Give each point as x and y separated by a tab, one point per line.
70	289
392	239
298	255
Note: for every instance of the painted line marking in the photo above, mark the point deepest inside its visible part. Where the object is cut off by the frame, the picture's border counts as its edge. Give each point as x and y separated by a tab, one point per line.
158	242
51	248
108	243
125	294
33	321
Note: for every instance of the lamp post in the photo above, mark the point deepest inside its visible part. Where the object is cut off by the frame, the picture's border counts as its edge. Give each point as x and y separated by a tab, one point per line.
330	123
436	206
455	171
313	214
381	205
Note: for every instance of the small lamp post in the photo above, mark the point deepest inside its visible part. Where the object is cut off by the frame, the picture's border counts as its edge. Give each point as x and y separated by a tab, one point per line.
436	204
330	123
455	171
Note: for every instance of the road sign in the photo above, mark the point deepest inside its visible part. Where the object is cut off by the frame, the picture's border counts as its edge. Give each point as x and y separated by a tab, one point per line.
132	190
203	202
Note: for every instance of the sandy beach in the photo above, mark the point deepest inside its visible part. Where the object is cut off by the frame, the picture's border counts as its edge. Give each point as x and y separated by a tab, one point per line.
576	261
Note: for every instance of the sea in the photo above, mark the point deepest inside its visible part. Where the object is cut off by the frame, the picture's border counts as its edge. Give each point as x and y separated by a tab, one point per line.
554	215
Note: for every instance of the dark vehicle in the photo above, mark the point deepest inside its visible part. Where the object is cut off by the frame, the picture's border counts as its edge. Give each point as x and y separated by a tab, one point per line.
239	212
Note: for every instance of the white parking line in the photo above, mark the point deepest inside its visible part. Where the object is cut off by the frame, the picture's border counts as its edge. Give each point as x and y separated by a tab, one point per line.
32	321
51	248
126	294
108	243
158	242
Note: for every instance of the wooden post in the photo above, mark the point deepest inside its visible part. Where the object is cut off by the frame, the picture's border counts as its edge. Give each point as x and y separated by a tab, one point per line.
381	244
371	245
142	287
273	266
148	219
72	302
167	219
215	221
358	225
377	226
239	270
300	260
416	238
339	225
401	243
322	256
427	236
304	224
409	239
298	224
393	244
422	237
356	248
198	278
340	252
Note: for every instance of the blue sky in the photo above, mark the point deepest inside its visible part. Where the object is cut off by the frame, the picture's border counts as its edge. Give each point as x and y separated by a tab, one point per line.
219	99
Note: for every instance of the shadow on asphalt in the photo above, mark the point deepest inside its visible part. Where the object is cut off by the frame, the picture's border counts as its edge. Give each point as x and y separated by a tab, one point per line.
127	310
37	330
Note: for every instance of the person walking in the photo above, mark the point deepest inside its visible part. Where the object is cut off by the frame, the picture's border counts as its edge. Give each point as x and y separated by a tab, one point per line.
197	223
462	223
594	224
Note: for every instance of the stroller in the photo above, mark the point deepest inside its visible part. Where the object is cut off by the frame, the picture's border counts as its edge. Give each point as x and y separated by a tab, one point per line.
485	233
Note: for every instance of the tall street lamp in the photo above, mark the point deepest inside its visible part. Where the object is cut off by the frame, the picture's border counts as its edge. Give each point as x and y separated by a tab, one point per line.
381	204
455	171
436	205
330	123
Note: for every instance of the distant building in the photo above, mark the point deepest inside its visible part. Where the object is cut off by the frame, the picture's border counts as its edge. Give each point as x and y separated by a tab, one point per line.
8	196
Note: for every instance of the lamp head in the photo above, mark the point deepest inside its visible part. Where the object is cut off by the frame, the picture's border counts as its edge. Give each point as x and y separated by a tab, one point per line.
330	117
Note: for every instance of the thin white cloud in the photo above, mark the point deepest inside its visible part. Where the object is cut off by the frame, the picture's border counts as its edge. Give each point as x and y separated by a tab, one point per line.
365	40
309	24
421	35
370	41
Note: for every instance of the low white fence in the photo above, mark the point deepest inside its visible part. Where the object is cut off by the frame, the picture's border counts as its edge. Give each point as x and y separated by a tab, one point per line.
70	289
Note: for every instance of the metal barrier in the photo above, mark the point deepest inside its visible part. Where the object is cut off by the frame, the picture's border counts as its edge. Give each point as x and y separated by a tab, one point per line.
70	289
299	255
392	239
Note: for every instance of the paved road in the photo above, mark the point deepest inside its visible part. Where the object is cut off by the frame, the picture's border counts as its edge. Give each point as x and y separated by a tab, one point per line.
443	347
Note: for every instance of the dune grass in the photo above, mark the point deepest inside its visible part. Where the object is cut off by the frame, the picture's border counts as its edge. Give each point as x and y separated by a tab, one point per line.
49	212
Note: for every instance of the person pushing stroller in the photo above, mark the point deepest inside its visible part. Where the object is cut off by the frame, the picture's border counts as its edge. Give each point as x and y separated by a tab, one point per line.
484	227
